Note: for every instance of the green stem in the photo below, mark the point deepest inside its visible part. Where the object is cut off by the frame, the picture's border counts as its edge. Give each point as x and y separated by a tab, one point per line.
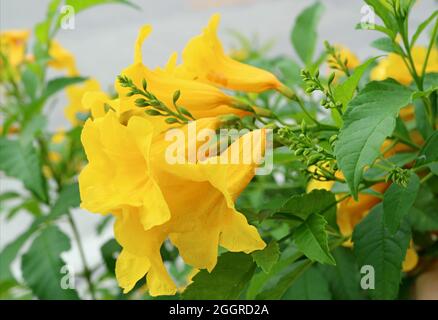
429	49
78	240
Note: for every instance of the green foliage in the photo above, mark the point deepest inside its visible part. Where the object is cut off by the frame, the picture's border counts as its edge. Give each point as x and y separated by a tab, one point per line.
398	201
22	162
376	246
226	281
312	285
42	265
267	257
366	125
304	33
311	238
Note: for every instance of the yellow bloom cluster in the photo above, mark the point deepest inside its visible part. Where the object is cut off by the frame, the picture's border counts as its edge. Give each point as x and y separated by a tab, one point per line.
191	204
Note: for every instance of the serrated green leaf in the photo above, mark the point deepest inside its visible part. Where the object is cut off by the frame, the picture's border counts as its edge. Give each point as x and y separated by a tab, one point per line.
304	32
384	44
374	245
369	119
267	257
226	281
311	285
398	201
311	238
22	162
41	265
301	206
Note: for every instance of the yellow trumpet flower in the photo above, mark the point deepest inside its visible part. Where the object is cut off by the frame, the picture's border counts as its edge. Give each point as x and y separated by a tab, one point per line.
192	204
204	60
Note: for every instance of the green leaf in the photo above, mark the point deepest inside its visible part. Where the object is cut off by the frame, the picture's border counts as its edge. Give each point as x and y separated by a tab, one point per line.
32	129
109	250
423	216
304	33
345	91
41	265
301	206
423	26
225	282
267	257
422	120
369	119
81	5
398	201
265	281
58	84
68	198
429	152
30	82
385	44
344	278
374	245
23	163
10	252
311	285
276	289
384	11
311	238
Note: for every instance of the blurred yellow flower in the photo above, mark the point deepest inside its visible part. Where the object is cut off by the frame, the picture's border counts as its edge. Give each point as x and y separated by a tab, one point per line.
75	93
393	66
58	137
192	203
13	46
62	59
204	60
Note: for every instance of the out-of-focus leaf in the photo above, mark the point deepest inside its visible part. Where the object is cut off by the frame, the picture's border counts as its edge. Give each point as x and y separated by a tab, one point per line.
41	265
304	32
67	199
429	152
109	250
311	285
22	162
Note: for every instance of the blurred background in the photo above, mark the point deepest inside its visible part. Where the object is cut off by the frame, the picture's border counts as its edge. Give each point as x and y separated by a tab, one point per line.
103	40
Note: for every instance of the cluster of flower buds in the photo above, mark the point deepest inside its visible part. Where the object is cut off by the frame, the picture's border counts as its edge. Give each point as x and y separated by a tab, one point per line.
399	175
157	107
313	83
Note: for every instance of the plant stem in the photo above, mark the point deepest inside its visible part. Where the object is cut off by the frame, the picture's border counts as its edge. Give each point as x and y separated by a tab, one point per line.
87	271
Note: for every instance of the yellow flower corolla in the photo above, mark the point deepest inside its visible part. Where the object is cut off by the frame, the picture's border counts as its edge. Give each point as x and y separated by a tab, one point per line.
192	204
351	212
200	99
62	59
393	66
75	94
13	46
204	60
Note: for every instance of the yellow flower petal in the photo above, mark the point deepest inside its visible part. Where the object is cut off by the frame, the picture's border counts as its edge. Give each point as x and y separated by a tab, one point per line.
411	259
62	59
129	269
204	60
